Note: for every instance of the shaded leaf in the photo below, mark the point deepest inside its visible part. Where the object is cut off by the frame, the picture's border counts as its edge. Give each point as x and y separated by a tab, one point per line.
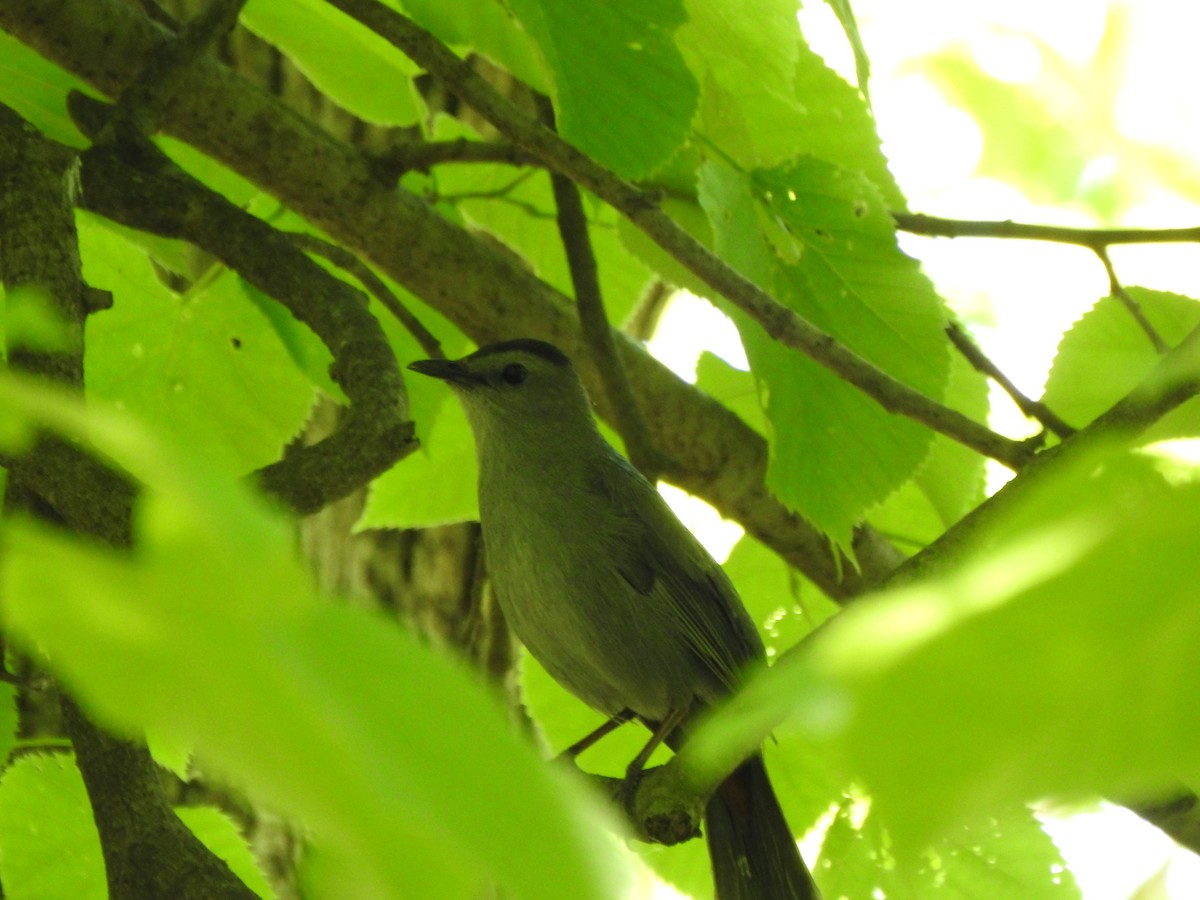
622	92
353	66
221	835
206	367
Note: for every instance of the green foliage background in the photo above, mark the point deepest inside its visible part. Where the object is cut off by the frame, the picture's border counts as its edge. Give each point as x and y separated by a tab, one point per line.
1052	656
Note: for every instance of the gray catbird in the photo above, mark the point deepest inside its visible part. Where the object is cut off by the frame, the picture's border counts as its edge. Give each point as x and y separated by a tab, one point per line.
610	592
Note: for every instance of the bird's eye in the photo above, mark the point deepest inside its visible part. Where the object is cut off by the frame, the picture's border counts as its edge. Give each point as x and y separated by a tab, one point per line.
514	373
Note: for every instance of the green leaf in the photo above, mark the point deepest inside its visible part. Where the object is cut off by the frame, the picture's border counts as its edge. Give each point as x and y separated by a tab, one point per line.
837	126
307	351
622	92
320	710
37	89
768	98
744	55
485	26
821	241
950	482
953	477
435	486
1106	354
206	366
356	68
214	175
221	835
1008	855
1060	663
862	63
48	841
783	605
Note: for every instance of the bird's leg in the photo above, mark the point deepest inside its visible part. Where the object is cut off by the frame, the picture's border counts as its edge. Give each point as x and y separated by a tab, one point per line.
613	723
633	772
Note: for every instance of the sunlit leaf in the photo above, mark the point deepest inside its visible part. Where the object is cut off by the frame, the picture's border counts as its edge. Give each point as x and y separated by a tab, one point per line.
1106	354
246	657
834	452
1087	622
48	841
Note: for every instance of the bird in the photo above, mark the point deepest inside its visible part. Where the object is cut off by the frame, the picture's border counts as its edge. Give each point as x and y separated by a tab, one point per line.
611	593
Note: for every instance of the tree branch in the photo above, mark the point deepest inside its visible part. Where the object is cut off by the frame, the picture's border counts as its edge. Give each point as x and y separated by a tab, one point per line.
1131	306
1098	240
148	851
781	323
421	156
1092	238
593	319
140	107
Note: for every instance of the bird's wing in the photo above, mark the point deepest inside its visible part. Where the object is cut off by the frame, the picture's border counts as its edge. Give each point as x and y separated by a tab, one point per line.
661	559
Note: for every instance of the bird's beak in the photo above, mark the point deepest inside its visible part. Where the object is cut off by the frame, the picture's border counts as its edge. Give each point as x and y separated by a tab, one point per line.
450	370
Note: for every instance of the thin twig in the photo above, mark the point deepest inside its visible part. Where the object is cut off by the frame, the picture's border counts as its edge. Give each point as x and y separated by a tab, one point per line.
935	226
421	156
348	262
1034	409
499	193
781	323
593	319
1132	306
1098	240
649	309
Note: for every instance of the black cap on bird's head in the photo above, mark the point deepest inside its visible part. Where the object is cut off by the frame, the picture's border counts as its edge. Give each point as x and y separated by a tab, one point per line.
476	368
522	379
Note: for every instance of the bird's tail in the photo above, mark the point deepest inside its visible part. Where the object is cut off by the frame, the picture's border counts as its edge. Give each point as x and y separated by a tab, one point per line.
753	851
